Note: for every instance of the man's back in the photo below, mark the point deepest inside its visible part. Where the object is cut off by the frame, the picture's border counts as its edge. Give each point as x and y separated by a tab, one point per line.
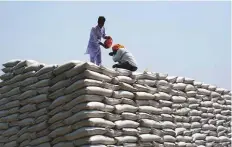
123	55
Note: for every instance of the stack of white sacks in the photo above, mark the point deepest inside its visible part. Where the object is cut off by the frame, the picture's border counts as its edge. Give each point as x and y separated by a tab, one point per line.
81	104
24	103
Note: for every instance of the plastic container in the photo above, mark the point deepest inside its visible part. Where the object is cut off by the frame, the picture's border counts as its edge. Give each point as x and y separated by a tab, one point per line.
108	43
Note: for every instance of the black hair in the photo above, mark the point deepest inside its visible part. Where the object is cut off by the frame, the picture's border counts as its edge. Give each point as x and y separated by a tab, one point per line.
101	19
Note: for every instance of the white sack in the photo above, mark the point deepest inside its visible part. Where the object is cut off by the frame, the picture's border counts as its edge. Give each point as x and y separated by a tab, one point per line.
126	139
48	75
79	68
84	132
60	116
6	76
93	122
129	116
162	96
124	79
150	138
11	63
96	139
38	99
38	127
123	94
113	117
150	123
27	94
169	138
198	136
125	108
168	125
144	95
149	109
83	115
146	82
180	80
128	101
189	88
191	93
60	84
81	99
126	124
165	103
145	75
127	87
178	99
65	67
40	140
129	131
93	106
179	86
202	91
112	101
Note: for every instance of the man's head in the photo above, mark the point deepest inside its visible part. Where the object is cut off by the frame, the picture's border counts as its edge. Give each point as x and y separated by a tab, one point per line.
117	47
101	21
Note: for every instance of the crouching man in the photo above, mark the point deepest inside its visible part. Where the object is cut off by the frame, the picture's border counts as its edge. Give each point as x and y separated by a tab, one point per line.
124	58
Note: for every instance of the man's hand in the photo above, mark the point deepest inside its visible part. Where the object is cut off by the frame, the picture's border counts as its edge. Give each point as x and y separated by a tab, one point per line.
102	44
111	53
107	37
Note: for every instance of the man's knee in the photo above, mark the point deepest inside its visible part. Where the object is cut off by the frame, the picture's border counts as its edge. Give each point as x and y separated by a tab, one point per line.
115	66
134	68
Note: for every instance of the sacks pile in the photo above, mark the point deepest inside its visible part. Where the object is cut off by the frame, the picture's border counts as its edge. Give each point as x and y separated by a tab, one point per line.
24	102
79	104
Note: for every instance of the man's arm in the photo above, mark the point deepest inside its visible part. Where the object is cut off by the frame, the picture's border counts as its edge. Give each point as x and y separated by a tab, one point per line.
112	53
117	56
94	37
102	44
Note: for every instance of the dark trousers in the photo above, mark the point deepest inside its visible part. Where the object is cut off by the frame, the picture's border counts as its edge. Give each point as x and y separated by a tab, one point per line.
126	65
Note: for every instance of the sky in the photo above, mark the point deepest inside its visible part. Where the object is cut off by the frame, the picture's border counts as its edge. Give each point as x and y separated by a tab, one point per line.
188	39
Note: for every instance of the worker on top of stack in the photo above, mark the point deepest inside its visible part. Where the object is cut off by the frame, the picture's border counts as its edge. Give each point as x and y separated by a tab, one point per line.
96	34
124	58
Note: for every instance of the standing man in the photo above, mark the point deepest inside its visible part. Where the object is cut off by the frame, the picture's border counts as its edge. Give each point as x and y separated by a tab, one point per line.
96	34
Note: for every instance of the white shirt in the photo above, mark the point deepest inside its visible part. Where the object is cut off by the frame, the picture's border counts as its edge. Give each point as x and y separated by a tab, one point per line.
123	55
95	37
